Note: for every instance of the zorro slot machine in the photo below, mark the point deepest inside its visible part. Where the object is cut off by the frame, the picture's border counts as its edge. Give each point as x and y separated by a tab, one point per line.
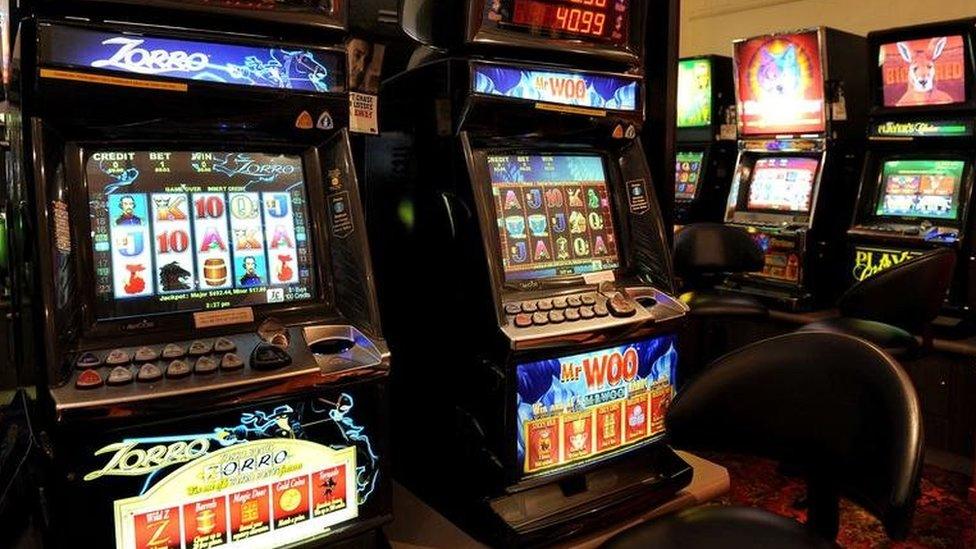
917	182
801	114
528	276
199	299
705	155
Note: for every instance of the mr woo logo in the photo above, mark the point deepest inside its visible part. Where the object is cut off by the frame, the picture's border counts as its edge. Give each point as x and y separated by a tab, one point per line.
133	58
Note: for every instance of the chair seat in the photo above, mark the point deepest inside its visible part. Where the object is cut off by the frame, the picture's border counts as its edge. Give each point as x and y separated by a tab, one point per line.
715	303
719	526
892	339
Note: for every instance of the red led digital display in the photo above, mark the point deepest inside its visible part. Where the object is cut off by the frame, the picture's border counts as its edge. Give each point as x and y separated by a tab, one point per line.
600	19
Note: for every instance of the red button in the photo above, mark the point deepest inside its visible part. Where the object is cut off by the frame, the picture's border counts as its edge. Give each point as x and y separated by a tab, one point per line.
88	379
523	320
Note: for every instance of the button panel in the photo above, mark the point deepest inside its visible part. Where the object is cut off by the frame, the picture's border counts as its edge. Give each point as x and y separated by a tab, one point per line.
571	308
303	362
171	361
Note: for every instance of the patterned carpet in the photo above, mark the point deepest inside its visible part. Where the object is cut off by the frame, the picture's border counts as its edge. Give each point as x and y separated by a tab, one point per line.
943	520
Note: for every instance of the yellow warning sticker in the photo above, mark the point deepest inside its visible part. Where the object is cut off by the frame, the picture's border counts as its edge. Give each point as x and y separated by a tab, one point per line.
112	80
570	109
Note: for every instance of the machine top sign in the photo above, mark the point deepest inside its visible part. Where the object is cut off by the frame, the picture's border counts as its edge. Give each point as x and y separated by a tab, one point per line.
780	82
591	90
250	65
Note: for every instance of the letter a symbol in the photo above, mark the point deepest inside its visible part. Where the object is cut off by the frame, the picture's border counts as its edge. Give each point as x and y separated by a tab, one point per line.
541	252
212	241
511	201
599	248
281	236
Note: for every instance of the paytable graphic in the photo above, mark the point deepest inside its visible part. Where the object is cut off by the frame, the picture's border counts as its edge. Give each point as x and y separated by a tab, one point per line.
587	405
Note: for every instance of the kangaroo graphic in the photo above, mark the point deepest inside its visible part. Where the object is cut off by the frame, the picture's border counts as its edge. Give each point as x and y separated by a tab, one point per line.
922	88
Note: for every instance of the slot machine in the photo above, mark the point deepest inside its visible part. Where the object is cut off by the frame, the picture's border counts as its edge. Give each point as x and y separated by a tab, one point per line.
198	296
801	105
529	290
917	182
706	139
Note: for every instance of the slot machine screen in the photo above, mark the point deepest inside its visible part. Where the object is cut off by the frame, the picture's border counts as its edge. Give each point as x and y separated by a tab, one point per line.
782	184
694	93
921	189
927	71
687	174
554	215
599	20
780	84
186	231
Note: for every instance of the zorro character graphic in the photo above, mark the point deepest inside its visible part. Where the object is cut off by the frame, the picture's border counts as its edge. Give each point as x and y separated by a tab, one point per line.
250	278
128	206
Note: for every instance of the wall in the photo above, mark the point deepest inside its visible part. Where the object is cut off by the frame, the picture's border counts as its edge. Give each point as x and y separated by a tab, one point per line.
709	26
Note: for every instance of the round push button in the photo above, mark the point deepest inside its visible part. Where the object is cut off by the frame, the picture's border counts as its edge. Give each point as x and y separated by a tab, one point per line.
120	375
88	379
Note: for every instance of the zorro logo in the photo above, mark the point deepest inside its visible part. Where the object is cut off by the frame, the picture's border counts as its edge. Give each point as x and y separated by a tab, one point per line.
129	460
241	164
131	58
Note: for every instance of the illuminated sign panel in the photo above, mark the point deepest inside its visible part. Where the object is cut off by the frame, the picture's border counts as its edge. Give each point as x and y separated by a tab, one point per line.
924	72
780	85
270	478
694	93
584	406
869	261
928	128
598	91
781	257
280	67
254	494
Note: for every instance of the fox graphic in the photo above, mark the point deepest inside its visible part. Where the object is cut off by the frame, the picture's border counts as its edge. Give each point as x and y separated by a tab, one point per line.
779	74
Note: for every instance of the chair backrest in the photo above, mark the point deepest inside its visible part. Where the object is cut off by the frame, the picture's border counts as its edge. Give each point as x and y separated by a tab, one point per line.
908	295
704	249
836	407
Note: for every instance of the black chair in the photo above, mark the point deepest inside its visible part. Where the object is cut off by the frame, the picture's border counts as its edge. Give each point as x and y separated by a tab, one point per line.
832	407
887	308
705	253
